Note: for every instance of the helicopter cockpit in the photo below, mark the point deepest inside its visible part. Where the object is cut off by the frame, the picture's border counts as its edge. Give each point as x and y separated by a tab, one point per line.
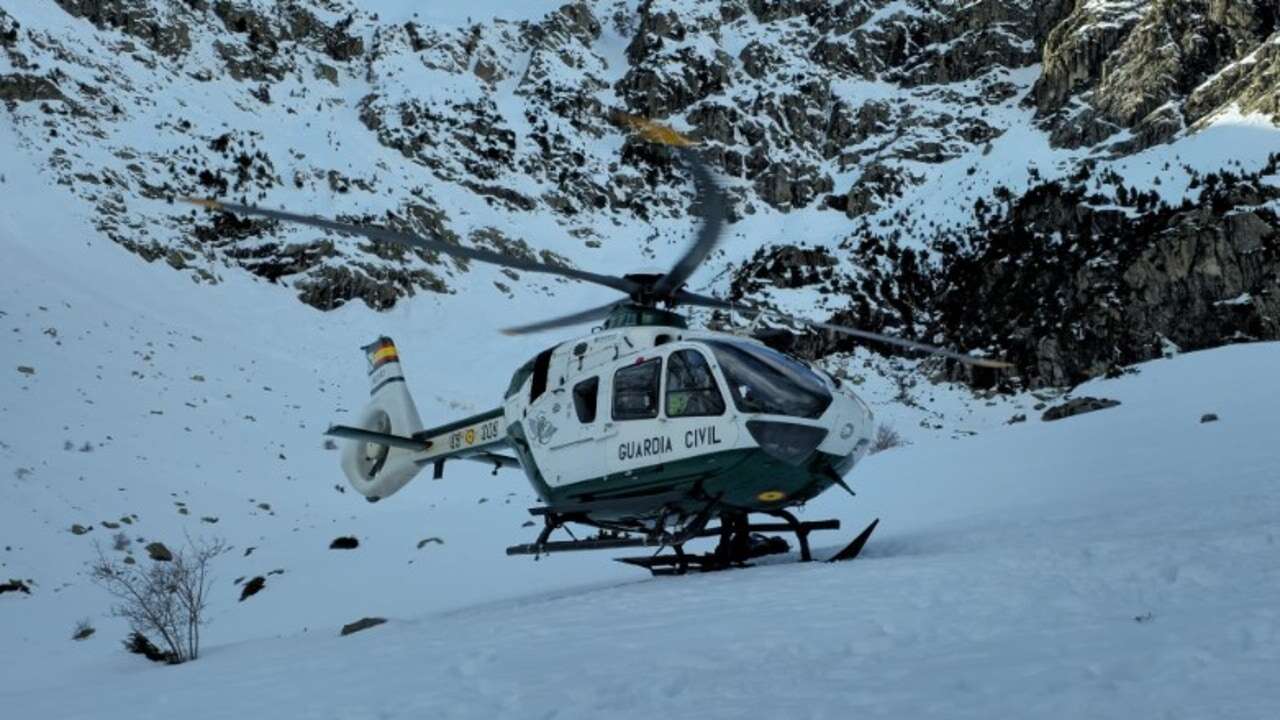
764	381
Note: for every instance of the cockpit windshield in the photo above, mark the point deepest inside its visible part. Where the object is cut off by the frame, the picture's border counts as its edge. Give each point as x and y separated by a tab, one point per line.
764	381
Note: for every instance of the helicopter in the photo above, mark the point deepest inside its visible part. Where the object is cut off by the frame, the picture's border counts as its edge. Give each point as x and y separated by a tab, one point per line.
652	432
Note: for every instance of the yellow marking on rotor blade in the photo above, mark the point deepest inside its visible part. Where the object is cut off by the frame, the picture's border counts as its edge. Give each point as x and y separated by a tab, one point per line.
202	202
655	132
771	496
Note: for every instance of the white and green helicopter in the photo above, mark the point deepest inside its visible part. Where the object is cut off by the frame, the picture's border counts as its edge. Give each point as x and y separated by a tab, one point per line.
648	430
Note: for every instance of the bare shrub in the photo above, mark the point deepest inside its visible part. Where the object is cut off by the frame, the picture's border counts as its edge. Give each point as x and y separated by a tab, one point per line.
120	542
165	598
83	630
886	437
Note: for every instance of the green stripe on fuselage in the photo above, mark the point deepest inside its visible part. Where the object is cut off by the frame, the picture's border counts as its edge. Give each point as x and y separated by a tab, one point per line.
736	478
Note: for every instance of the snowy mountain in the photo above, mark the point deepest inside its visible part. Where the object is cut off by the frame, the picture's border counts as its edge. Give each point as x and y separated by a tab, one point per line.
1088	188
1107	140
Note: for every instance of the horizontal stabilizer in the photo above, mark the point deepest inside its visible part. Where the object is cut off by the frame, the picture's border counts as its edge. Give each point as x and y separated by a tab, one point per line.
502	461
380	438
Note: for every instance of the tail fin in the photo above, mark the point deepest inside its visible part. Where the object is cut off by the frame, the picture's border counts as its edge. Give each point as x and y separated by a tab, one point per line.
376	470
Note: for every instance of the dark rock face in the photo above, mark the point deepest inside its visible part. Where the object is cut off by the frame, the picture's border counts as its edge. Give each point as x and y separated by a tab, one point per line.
1142	66
849	110
785	266
163	29
1063	284
1078	406
21	87
362	624
1196	276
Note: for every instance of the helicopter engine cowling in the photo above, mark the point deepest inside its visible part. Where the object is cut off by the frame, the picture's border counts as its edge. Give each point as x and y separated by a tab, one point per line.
373	469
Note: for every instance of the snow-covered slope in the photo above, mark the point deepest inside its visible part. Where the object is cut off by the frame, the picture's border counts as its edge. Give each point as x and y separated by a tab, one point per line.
1116	564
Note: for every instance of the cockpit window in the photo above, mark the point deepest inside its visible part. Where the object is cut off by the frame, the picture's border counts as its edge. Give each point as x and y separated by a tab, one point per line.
635	391
764	381
691	388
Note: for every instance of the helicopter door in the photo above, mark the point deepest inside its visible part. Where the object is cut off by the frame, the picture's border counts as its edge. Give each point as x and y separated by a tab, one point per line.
694	414
632	428
575	452
662	422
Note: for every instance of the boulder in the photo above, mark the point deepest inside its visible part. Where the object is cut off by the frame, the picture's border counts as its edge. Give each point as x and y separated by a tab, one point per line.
1078	406
158	552
362	624
252	587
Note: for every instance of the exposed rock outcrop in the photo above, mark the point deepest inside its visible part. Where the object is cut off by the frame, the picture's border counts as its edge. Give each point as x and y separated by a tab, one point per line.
1143	65
1078	406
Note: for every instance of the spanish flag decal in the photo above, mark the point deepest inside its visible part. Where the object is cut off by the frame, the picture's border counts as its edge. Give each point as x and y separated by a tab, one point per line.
381	352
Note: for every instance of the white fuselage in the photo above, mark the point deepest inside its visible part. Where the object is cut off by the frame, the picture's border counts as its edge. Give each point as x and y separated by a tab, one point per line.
591	418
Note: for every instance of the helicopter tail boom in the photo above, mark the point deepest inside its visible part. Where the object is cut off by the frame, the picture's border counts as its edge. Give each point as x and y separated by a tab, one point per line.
388	446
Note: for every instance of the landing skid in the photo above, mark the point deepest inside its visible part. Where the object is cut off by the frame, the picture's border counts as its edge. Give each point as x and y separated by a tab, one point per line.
740	542
743	543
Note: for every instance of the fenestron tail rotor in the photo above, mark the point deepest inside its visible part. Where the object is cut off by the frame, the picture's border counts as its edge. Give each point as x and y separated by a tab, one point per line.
645	290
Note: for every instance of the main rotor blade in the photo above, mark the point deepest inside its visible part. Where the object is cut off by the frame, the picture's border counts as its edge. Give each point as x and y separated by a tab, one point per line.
562	321
713	214
381	234
688	298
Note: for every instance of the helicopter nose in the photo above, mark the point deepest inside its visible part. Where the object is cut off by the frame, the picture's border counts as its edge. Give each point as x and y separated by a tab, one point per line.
791	443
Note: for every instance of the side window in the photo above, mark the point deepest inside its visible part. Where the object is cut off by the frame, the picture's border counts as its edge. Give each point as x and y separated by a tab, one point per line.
691	388
635	391
584	399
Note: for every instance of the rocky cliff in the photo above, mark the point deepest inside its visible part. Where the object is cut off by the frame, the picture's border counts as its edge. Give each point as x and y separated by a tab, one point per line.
1072	184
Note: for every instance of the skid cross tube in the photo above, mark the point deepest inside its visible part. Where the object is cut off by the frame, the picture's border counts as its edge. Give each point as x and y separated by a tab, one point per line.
548	547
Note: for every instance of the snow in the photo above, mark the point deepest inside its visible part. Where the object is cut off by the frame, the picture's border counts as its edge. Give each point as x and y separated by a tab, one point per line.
1117	564
1241	299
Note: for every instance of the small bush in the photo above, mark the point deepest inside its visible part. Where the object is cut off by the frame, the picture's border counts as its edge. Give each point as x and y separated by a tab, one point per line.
120	542
886	437
83	630
165	598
